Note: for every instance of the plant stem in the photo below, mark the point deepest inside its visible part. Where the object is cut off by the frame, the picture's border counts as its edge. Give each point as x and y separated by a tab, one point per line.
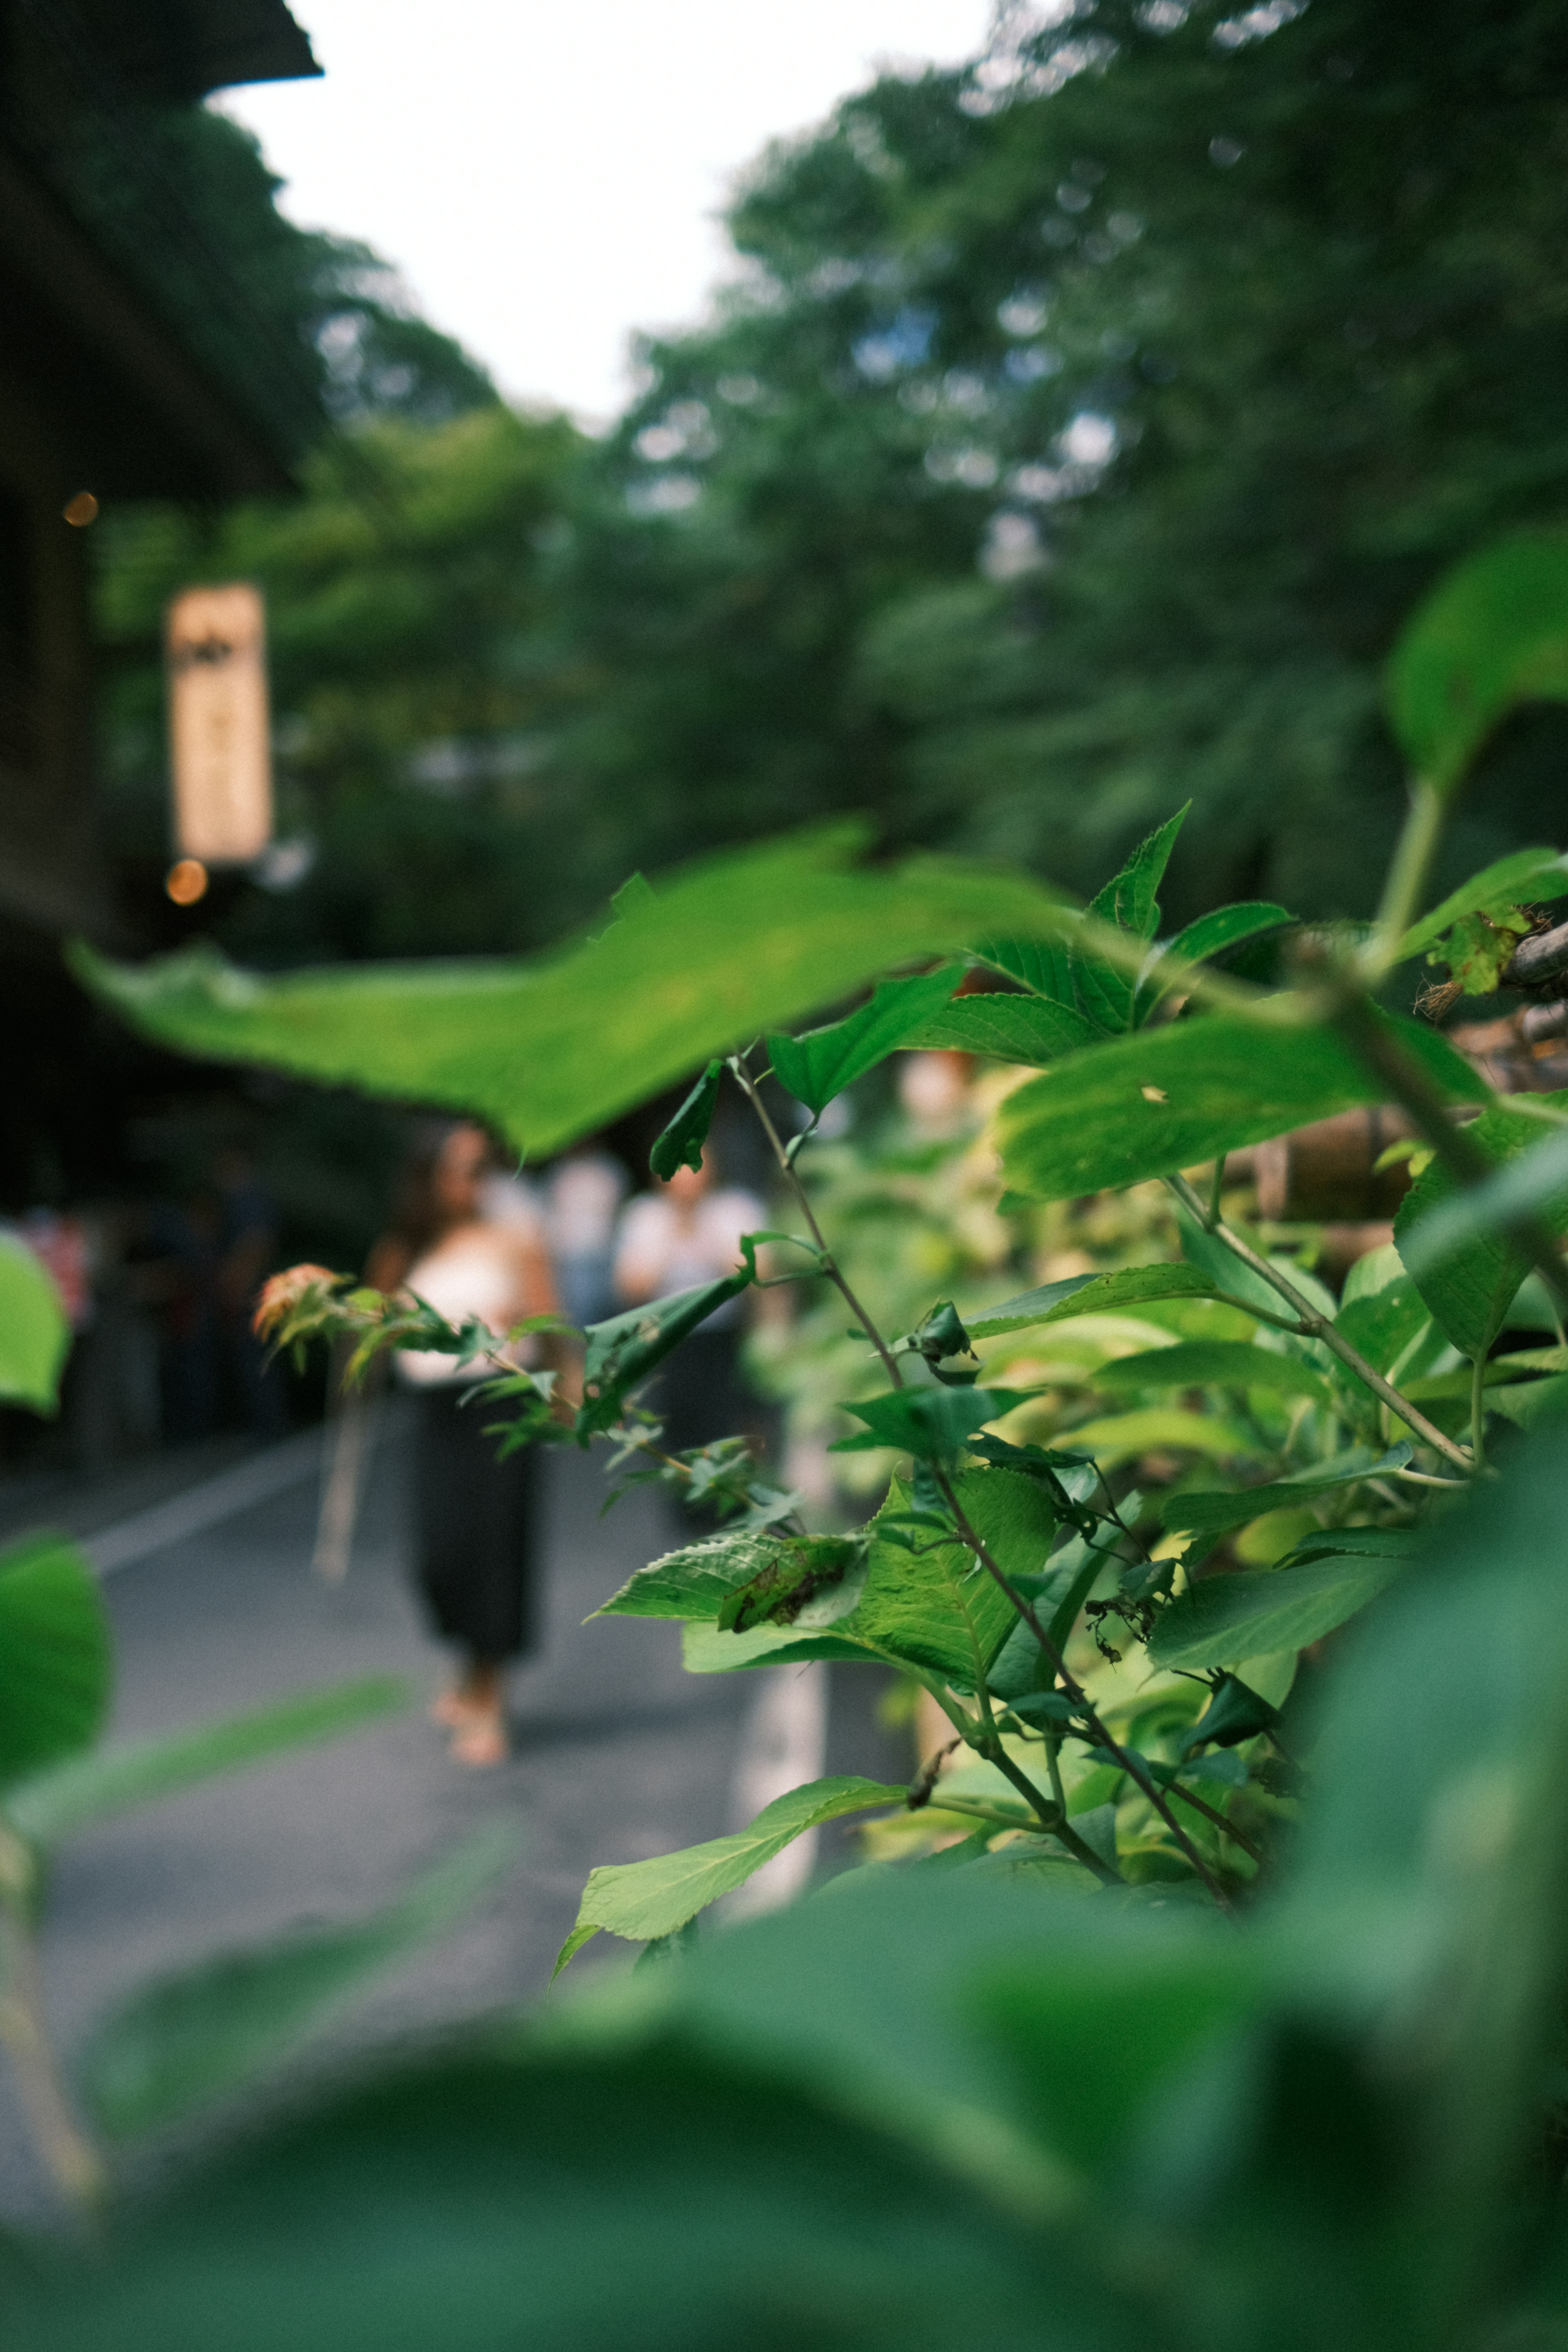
1478	1409
67	2156
830	1265
1128	1759
1406	884
1311	1324
1220	1822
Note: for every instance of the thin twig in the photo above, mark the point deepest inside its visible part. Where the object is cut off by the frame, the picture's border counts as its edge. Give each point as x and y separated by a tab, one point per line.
1311	1324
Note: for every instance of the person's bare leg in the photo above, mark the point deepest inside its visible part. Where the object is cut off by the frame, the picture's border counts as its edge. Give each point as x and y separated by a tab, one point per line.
479	1733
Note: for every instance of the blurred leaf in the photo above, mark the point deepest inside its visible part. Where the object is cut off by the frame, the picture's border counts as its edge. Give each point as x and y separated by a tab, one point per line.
1525	873
1224	1620
552	1048
1028	1029
34	1337
1464	1267
1127	902
1123	1436
55	1657
1174	1097
1211	1516
200	2033
823	1062
642	1900
1542	1400
93	1788
679	1145
1089	1294
1492	635
1215	1363
659	2194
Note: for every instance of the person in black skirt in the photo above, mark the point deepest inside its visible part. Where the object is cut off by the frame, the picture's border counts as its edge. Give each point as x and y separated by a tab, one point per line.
475	1514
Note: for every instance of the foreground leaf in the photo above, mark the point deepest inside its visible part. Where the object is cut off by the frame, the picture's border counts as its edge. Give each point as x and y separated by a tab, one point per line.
95	1788
1492	635
35	1337
1175	1098
1468	1273
642	1900
1225	1619
1128	903
56	1663
197	2035
553	1047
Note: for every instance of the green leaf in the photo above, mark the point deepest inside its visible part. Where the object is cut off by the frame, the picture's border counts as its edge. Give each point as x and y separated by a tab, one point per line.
930	1423
642	1900
35	1337
1104	993
1525	873
1541	1400
1174	1097
1211	1516
1215	1363
679	1145
1089	1294
1210	935
56	1661
1492	635
1225	1619
1042	965
1123	1436
695	1580
1466	1268
933	1609
823	1062
552	1047
199	2033
93	1788
1009	1028
1226	926
625	1350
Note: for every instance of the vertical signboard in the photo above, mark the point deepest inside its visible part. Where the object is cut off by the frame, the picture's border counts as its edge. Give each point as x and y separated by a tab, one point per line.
218	741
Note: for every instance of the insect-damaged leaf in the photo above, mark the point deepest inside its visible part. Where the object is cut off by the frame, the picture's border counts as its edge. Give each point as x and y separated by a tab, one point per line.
679	1145
802	1569
932	1607
626	1350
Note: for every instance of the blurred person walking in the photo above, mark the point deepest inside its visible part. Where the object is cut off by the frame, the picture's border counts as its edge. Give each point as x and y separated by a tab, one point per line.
583	1199
474	1515
685	1232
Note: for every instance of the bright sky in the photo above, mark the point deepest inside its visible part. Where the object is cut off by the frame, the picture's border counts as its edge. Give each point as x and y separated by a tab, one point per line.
547	175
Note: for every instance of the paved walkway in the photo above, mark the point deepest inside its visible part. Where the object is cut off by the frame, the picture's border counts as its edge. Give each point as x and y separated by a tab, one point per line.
619	1754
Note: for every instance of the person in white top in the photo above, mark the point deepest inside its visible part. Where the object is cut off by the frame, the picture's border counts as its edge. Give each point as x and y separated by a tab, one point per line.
474	1514
684	1233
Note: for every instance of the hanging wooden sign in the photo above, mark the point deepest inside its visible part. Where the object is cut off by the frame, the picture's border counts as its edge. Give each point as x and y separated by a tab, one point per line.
219	745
